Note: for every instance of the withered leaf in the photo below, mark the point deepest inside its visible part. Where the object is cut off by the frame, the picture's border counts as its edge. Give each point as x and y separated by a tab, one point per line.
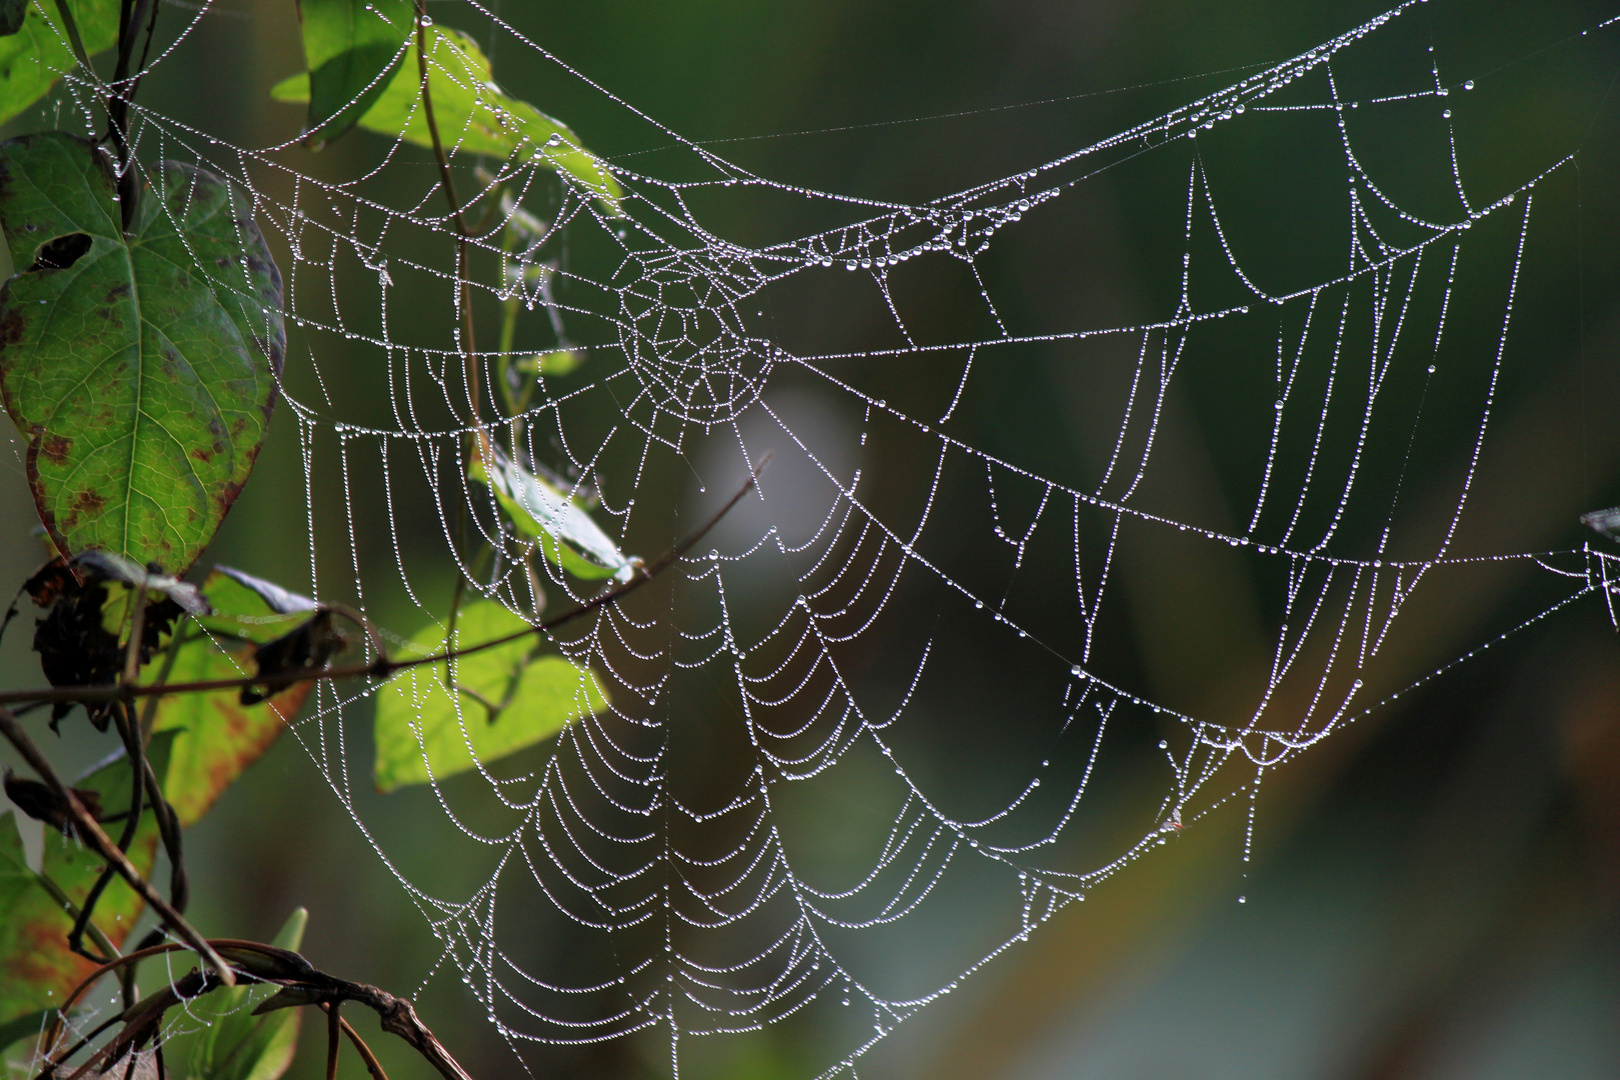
74	645
308	647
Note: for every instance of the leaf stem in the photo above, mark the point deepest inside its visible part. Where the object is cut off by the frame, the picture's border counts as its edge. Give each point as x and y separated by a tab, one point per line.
118	99
132	822
469	344
333	1041
373	1066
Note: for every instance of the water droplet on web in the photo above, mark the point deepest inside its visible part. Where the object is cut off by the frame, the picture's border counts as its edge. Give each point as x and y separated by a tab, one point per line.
1469	85
1164	744
425	20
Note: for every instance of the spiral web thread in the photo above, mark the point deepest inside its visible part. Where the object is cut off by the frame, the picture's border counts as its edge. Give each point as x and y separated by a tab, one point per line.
706	922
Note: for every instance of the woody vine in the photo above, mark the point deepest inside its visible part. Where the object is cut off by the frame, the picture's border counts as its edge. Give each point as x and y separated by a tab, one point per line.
141	347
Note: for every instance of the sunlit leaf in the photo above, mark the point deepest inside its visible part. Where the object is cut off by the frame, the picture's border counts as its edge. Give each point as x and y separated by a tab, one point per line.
36	968
554	363
351	48
473	114
251	608
142	373
36	55
568	537
218	736
425	731
238	1045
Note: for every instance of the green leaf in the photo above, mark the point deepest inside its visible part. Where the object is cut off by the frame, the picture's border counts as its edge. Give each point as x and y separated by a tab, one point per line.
36	969
36	55
567	536
240	1046
250	608
474	115
423	731
554	363
219	737
141	372
351	48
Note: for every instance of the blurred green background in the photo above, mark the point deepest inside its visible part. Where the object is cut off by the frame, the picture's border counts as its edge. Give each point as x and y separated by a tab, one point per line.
1435	892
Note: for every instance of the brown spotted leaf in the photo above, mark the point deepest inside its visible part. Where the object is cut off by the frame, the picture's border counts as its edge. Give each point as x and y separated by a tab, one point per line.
141	368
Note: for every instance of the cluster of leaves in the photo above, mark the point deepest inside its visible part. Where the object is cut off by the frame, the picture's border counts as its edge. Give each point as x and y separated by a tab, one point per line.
141	346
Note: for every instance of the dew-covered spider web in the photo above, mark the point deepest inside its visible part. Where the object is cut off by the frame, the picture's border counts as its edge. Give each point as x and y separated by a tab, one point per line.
881	707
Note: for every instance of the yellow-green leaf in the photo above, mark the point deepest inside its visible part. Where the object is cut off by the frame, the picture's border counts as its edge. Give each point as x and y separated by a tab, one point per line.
351	48
473	115
427	731
33	58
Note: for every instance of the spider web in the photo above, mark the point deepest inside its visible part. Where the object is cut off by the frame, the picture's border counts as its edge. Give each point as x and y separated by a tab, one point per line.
805	770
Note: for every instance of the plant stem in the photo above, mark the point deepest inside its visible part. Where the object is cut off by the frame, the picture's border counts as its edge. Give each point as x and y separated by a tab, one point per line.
118	99
373	1066
469	342
333	1039
132	822
75	42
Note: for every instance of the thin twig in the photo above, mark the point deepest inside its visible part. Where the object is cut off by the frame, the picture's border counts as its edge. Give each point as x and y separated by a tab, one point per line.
170	655
132	823
333	1042
137	629
373	1066
74	40
469	342
118	99
90	832
383	667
